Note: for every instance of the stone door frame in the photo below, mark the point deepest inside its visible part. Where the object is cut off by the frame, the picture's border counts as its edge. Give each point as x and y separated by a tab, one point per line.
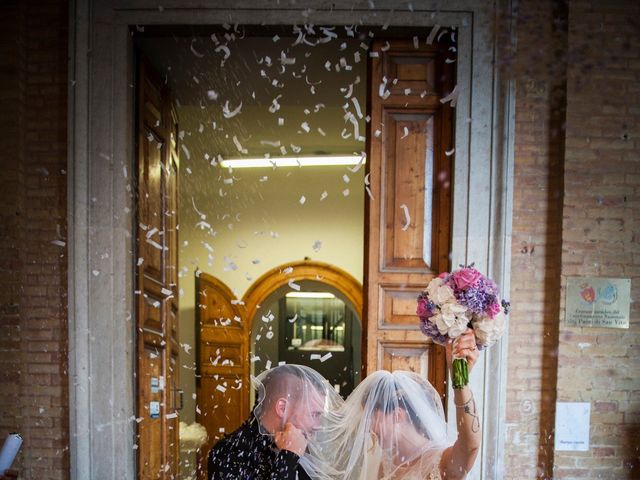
101	203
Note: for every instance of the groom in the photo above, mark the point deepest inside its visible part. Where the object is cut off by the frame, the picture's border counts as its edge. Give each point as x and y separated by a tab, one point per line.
269	444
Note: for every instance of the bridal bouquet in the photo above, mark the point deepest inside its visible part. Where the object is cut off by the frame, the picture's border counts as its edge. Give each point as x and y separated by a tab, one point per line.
454	301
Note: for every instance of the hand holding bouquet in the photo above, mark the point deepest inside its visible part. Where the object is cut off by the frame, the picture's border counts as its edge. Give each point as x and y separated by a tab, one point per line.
453	302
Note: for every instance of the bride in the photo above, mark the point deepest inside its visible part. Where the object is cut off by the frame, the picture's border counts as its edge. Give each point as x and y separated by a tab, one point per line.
393	427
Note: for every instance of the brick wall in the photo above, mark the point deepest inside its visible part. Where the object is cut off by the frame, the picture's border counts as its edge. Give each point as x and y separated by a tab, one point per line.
601	231
539	71
33	279
576	209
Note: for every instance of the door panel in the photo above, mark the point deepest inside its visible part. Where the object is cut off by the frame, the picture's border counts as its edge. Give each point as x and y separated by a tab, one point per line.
222	376
156	279
408	211
408	174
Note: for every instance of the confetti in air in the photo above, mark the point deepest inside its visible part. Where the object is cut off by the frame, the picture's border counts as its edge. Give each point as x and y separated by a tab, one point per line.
230	113
407	218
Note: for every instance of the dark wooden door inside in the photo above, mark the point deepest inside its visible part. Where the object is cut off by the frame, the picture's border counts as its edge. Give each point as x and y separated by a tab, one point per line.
156	279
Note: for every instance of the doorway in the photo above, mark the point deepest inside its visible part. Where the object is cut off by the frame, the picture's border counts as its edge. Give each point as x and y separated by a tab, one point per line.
384	111
101	154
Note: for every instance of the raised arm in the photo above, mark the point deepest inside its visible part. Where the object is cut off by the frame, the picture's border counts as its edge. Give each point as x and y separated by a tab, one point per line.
458	459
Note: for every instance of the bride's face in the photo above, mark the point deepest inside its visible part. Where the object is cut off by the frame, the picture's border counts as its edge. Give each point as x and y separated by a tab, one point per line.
385	426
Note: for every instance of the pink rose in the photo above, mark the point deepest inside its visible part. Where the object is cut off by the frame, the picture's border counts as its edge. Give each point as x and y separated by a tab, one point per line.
466	277
493	309
443	275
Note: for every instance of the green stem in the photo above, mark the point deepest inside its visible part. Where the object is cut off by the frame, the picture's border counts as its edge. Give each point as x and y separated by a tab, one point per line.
460	373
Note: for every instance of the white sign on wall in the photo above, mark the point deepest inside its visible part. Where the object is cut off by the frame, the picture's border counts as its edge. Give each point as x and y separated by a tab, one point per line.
572	426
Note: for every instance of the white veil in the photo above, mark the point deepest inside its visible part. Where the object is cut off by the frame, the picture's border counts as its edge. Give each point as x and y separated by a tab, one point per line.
391	426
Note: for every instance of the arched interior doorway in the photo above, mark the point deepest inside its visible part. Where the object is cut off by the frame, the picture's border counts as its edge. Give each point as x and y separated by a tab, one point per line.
224	331
314	320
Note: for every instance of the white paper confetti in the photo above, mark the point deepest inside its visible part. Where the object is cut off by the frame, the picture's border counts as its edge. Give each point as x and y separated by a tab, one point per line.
407	218
229	113
193	50
357	167
354	100
452	97
186	151
293	285
239	145
302	200
382	89
226	53
432	34
275	106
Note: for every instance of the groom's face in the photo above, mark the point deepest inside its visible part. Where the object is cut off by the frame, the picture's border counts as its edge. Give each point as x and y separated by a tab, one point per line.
306	413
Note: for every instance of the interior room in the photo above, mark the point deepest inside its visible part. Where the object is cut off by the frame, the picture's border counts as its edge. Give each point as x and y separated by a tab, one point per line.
272	98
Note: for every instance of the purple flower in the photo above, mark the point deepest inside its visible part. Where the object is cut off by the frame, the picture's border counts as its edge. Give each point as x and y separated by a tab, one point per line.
431	330
507	306
480	297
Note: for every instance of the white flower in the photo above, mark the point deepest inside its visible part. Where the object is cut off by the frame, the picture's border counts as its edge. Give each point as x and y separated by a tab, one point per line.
452	319
489	330
439	293
459	327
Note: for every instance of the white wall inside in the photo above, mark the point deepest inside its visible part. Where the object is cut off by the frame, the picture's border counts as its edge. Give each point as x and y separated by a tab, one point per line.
237	225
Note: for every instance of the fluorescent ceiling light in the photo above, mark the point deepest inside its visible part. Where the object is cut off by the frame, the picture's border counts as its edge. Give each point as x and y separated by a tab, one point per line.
310	295
313	161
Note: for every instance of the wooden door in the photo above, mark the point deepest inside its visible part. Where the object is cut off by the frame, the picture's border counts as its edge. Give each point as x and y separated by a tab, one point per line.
408	213
222	375
156	280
